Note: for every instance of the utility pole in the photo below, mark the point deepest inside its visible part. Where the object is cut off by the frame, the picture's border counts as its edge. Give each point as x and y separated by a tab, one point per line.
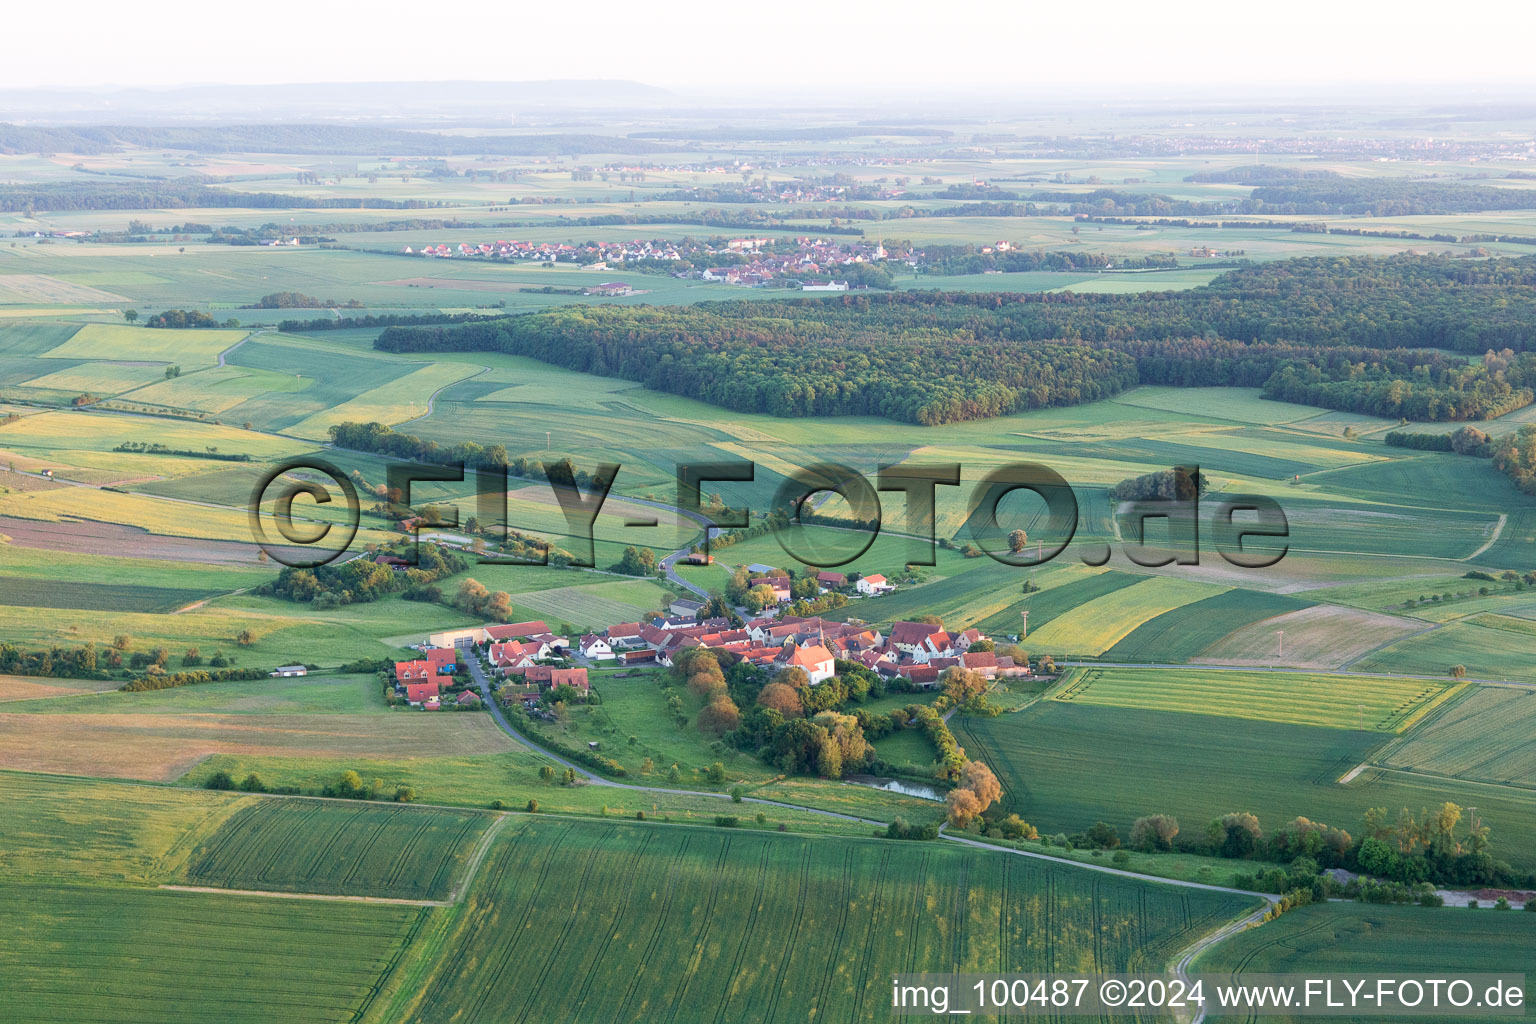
1362	717
1024	629
1281	634
546	440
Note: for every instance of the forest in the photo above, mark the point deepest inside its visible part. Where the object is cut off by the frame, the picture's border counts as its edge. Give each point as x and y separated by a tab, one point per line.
1346	333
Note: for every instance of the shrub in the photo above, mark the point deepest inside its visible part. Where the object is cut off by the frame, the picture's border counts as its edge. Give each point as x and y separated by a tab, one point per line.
727	820
220	780
533	807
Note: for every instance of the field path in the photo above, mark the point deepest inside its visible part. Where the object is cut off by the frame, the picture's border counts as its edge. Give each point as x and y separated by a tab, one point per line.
276	894
1497	530
1104	869
1181	968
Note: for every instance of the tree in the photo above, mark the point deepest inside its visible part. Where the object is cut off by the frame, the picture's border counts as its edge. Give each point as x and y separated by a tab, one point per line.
1235	834
121	642
245	638
404	795
192	658
794	677
1154	832
253	783
715	773
547	773
647	766
220	780
131	315
964	807
673	774
781	698
963	685
719	716
1016	541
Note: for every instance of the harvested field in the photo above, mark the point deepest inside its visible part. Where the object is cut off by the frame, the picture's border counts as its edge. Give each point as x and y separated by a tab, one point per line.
13	688
96	538
1323	636
17	288
164	747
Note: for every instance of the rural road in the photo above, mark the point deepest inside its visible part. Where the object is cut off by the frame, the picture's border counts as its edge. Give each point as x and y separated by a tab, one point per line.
1219	935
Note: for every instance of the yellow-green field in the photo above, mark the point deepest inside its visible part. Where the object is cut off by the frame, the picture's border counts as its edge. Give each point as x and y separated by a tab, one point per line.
1097	626
185	348
1299	698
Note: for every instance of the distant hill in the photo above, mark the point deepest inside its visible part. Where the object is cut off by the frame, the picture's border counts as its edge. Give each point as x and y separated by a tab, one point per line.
307	138
425	102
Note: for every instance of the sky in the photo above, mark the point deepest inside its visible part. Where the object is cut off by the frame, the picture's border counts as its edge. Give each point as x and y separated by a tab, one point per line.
896	47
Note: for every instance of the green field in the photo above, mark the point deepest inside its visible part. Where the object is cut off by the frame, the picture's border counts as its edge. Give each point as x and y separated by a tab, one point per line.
129	597
1338	702
1353	938
1483	736
1486	653
348	850
1094	627
706	924
77	830
1184	632
71	955
1063	767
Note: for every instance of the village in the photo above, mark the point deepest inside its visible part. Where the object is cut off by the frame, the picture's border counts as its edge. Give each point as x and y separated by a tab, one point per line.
532	660
814	263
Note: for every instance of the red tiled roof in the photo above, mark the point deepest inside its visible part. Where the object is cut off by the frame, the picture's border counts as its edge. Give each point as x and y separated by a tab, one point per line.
514	630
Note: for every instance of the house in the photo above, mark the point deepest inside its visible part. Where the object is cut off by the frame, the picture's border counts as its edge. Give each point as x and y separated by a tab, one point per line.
284	671
468	699
625	634
815	659
419	671
595	647
472	635
909	637
830	580
517	653
441	660
778	584
517	630
873	586
433	703
685	608
416	694
924	676
935	645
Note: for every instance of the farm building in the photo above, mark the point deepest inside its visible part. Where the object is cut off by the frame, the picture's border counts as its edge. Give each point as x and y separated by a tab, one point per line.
285	671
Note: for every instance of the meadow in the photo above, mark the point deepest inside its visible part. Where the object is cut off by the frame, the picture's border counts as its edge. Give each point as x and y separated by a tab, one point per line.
697	924
359	849
1338	702
1355	938
513	778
